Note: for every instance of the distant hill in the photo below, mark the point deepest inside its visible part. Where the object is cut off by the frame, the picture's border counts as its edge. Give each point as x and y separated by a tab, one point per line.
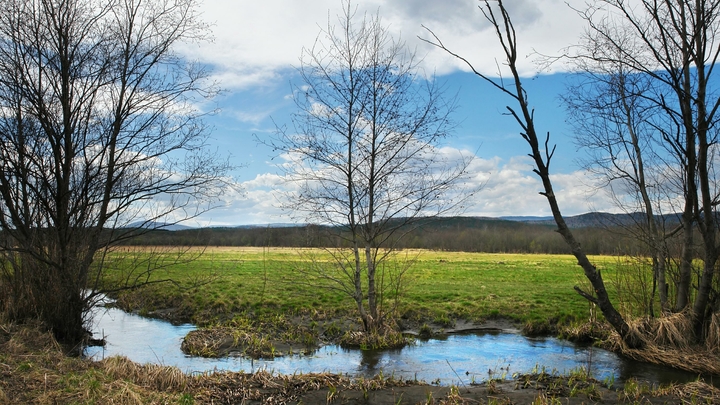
159	226
527	219
591	219
273	225
598	220
599	233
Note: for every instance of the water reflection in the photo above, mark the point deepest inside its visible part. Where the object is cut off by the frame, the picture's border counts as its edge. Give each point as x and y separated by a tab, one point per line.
456	359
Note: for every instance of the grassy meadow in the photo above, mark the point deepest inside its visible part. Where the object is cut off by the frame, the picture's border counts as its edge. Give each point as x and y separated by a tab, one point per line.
223	282
439	286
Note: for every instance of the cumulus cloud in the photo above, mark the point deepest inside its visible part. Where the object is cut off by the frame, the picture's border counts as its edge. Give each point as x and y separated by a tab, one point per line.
257	44
506	188
255	41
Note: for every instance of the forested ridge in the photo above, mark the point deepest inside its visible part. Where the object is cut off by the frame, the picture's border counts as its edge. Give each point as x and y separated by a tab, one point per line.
599	233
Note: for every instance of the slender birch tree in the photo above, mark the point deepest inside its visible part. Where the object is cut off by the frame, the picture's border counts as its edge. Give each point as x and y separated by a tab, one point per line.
364	154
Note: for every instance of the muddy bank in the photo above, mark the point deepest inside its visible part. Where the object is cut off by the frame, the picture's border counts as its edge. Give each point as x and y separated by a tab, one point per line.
294	335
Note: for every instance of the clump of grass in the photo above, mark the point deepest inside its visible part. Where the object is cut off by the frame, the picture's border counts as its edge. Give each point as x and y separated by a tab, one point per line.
712	340
425	331
332	330
444	320
634	390
538	328
220	341
544	399
206	342
157	377
587	332
376	340
673	331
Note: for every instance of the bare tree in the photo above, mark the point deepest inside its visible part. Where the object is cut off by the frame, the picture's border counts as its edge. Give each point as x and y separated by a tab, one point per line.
542	154
675	48
365	151
611	110
655	60
99	140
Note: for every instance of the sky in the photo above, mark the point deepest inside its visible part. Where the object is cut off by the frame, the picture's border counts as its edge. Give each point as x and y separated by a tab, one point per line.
255	52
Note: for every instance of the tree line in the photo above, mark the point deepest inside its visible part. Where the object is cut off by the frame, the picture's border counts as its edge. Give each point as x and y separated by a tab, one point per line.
452	234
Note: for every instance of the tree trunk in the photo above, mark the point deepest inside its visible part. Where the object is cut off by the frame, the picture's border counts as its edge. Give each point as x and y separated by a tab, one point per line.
662	281
683	287
358	295
372	292
602	299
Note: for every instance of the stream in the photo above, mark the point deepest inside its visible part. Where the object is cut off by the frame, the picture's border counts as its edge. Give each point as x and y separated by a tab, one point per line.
454	359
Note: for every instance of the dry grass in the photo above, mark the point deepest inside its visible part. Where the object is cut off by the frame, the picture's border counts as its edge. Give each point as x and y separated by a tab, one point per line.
668	342
712	340
693	358
151	376
587	332
268	388
219	341
691	392
670	331
34	369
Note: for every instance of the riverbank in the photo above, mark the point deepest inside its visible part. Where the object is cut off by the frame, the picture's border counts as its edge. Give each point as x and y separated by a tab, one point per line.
254	302
222	282
34	369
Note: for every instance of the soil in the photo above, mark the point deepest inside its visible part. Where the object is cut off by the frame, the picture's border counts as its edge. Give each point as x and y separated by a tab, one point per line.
505	393
529	389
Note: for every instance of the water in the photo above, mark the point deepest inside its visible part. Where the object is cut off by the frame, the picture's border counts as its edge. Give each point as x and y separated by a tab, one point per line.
456	359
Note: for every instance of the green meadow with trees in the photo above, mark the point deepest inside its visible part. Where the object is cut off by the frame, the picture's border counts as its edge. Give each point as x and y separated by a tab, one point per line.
102	147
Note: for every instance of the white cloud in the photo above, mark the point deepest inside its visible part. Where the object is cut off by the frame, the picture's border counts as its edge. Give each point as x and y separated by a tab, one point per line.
257	44
255	41
251	117
510	188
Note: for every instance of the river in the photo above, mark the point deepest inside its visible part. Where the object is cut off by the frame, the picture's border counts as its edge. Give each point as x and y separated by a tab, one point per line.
454	359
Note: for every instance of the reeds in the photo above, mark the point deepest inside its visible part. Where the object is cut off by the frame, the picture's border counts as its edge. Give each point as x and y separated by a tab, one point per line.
152	376
712	339
387	339
672	331
219	341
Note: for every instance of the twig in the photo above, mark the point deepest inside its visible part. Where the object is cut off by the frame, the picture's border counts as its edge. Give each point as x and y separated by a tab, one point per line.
458	375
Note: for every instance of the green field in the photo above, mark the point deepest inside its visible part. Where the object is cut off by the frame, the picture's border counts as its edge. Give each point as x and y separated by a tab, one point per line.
439	287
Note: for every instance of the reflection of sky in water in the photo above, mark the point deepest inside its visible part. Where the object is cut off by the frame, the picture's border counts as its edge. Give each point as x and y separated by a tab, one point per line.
468	357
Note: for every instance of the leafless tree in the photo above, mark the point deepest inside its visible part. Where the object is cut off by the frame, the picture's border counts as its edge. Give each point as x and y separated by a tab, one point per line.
99	139
654	60
611	111
365	154
675	48
542	153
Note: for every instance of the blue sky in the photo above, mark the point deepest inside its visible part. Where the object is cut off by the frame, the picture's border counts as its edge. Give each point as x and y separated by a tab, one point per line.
256	49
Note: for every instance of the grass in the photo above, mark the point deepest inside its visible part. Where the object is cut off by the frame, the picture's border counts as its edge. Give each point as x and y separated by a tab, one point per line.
440	287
